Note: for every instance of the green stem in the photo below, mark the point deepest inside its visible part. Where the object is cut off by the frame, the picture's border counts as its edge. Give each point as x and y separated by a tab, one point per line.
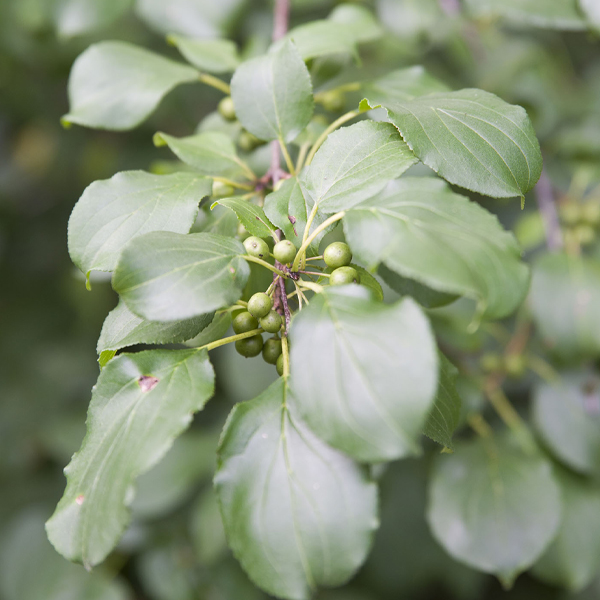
235	184
346	87
332	127
288	158
307	242
231	338
286	356
301	156
313	287
215	82
264	263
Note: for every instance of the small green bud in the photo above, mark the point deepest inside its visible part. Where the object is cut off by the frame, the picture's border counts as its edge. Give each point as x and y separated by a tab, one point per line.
227	109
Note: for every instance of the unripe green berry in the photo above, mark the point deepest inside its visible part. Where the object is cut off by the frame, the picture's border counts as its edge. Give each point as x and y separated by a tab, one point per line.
244	322
333	101
227	109
343	276
256	247
272	322
337	255
260	305
284	251
221	190
515	365
279	365
247	141
272	350
491	362
590	212
250	347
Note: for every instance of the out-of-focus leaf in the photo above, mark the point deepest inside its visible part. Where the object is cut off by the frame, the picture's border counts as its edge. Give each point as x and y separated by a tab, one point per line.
573	558
140	404
591	9
359	20
206	528
297	513
211	56
567	415
116	85
565	304
493	507
30	569
78	17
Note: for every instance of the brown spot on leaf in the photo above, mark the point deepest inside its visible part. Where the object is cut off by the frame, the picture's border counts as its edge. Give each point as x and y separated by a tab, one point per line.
293	222
80	499
147	382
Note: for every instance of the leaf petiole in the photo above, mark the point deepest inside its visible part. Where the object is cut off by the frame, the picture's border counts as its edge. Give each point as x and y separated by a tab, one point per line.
231	338
264	263
214	82
332	127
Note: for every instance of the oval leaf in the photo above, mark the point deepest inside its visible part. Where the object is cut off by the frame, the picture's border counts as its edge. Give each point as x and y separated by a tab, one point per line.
78	17
211	56
139	405
210	153
251	216
112	212
472	139
272	94
423	231
116	85
355	163
565	301
297	513
122	328
567	416
373	372
573	558
493	507
167	276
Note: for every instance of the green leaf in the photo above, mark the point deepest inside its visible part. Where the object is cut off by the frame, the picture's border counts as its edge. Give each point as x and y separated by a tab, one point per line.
140	404
567	416
297	513
288	209
472	139
78	17
272	94
493	507
402	85
564	300
210	56
320	38
165	276
30	569
114	211
355	163
553	14
425	232
373	372
116	85
359	20
172	481
219	220
367	280
573	558
591	9
206	529
215	331
251	216
445	414
425	296
210	153
122	328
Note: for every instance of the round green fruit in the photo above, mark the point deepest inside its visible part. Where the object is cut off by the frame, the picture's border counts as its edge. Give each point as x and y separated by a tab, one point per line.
250	347
515	365
256	247
272	350
222	190
337	255
227	109
279	365
244	322
272	322
247	141
491	362
343	276
333	101
260	305
284	251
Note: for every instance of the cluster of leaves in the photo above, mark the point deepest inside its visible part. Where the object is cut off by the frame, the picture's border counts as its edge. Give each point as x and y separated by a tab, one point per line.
363	379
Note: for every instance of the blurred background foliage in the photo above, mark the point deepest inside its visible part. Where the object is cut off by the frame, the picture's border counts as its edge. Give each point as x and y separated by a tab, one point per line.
49	323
